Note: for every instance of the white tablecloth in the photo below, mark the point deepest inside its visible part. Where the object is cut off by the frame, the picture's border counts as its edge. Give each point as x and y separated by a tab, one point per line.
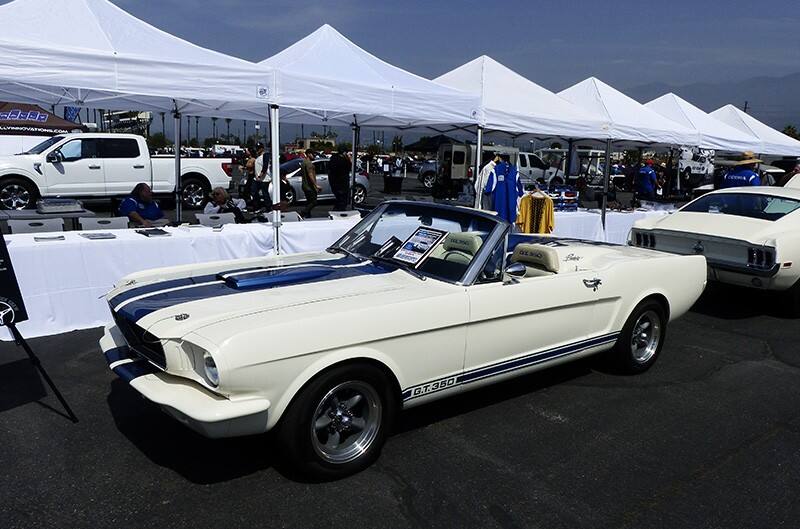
309	236
578	225
619	224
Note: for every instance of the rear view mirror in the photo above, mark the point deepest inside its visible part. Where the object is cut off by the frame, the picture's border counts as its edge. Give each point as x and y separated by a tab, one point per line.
54	157
513	272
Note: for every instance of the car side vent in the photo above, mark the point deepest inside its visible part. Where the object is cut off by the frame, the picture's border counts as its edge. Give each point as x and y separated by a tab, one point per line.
644	239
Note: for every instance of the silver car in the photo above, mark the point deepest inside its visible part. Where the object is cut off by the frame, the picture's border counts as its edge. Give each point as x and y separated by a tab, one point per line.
291	170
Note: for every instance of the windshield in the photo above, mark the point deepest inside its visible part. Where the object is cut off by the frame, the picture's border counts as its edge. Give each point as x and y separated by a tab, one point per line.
764	207
46	144
433	241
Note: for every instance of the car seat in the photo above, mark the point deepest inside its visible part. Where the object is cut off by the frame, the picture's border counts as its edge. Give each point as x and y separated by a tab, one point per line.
539	260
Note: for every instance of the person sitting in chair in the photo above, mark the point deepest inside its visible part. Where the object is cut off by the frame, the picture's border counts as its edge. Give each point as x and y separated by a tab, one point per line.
221	202
140	207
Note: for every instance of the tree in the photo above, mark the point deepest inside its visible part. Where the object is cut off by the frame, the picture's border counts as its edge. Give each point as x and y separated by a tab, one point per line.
791	131
373	149
397	143
157	141
209	142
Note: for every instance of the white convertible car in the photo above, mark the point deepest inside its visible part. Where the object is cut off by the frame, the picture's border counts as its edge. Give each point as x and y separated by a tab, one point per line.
750	237
415	303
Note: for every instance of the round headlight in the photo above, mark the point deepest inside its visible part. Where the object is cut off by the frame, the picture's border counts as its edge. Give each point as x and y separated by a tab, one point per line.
212	374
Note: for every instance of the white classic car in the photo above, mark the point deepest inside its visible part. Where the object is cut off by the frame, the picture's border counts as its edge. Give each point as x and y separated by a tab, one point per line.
446	300
750	237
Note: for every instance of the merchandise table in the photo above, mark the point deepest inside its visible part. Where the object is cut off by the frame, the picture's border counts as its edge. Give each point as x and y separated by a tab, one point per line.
32	214
619	223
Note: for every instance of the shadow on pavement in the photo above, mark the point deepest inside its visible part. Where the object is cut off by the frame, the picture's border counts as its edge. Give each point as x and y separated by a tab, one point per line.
21	384
737	303
169	444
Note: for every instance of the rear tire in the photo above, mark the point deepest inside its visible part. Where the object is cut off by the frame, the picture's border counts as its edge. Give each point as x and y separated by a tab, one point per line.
791	301
359	194
290	196
337	424
428	179
641	339
18	193
194	192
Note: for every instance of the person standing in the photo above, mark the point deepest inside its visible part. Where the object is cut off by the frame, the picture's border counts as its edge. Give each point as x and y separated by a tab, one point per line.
260	189
743	172
339	178
646	182
482	200
505	187
309	183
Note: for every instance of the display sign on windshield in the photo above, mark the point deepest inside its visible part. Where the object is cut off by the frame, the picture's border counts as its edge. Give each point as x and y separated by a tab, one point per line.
417	247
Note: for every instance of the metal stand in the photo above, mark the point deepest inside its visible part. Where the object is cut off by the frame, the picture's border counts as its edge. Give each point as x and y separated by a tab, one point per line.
275	145
178	191
353	163
20	341
477	165
606	178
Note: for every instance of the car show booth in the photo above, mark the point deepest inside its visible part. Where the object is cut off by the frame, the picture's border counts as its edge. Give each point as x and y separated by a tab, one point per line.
770	140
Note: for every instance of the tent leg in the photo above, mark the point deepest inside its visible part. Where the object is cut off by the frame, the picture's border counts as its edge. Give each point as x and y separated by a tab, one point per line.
677	172
568	162
606	178
478	159
275	145
356	134
178	194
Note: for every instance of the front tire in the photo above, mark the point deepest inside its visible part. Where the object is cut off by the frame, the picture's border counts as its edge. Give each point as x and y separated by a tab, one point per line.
791	301
641	339
17	193
337	424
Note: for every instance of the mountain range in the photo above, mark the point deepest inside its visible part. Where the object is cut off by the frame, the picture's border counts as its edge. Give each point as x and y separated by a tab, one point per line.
773	100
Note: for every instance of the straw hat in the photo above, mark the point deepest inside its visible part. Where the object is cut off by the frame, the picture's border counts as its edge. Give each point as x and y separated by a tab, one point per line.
747	158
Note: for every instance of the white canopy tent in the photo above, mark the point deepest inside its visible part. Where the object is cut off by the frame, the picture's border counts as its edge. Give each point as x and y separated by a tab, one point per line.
713	134
90	53
511	103
771	141
628	120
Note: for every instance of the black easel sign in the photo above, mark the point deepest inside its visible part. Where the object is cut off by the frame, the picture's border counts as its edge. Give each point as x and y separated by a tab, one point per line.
12	311
12	307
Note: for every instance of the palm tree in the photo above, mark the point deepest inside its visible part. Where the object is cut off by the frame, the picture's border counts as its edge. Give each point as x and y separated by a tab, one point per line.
228	124
214	127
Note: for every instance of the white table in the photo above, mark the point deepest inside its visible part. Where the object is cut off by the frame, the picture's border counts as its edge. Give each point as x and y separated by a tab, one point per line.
578	225
619	223
310	236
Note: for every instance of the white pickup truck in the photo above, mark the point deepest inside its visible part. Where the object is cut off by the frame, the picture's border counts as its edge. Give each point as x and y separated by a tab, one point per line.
95	165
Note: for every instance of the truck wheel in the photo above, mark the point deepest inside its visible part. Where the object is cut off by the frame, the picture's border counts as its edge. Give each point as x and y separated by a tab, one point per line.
359	194
17	193
337	424
194	191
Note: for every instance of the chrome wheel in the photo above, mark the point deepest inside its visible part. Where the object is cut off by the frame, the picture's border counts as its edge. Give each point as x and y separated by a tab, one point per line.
14	196
193	194
645	336
359	194
346	422
289	196
428	180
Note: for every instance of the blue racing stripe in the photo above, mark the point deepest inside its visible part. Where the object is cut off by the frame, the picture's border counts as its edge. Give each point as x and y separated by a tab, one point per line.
132	370
279	277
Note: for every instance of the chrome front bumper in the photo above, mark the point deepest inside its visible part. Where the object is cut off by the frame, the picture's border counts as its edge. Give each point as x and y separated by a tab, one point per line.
189	403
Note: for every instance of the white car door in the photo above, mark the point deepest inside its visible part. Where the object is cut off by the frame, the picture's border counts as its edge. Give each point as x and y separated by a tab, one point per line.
125	164
77	170
321	169
518	325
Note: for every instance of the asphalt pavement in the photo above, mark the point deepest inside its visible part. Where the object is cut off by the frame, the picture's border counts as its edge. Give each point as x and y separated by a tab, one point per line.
709	437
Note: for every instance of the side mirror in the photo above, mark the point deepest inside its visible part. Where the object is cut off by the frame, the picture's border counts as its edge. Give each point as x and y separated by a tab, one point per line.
514	271
54	157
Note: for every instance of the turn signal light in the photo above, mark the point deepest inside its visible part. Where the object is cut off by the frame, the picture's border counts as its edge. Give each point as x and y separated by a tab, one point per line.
228	168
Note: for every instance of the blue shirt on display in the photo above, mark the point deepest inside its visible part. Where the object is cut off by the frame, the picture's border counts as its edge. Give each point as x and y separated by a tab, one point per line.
646	181
741	177
148	211
505	187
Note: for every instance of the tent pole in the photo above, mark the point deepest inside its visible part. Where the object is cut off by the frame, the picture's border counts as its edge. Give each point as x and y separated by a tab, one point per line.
178	197
478	159
568	163
677	172
606	177
275	145
356	133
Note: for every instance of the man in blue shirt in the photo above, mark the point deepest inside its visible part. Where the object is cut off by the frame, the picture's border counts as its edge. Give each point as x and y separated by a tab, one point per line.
646	181
743	173
140	207
505	187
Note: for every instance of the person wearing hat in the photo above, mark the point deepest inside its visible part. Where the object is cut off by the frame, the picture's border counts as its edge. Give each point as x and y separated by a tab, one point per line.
743	172
646	182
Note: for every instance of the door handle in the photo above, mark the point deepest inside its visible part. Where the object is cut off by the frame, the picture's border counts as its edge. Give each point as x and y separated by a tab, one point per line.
592	283
94	167
138	166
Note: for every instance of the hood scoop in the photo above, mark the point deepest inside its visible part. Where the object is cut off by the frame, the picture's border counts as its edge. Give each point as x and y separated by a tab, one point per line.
267	278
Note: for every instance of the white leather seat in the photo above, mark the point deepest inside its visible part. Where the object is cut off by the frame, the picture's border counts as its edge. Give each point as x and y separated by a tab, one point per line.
112	223
216	219
460	247
539	260
35	226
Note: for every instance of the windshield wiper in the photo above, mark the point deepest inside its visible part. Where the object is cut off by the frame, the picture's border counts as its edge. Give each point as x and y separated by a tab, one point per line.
348	253
376	258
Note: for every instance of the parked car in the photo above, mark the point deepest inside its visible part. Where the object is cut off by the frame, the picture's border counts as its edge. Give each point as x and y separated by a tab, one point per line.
750	237
291	170
447	300
96	165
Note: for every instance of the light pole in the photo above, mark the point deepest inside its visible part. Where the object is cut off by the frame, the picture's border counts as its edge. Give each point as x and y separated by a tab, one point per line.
228	126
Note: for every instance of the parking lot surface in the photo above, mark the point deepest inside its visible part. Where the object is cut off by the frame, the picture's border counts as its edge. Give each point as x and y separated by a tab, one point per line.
710	437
